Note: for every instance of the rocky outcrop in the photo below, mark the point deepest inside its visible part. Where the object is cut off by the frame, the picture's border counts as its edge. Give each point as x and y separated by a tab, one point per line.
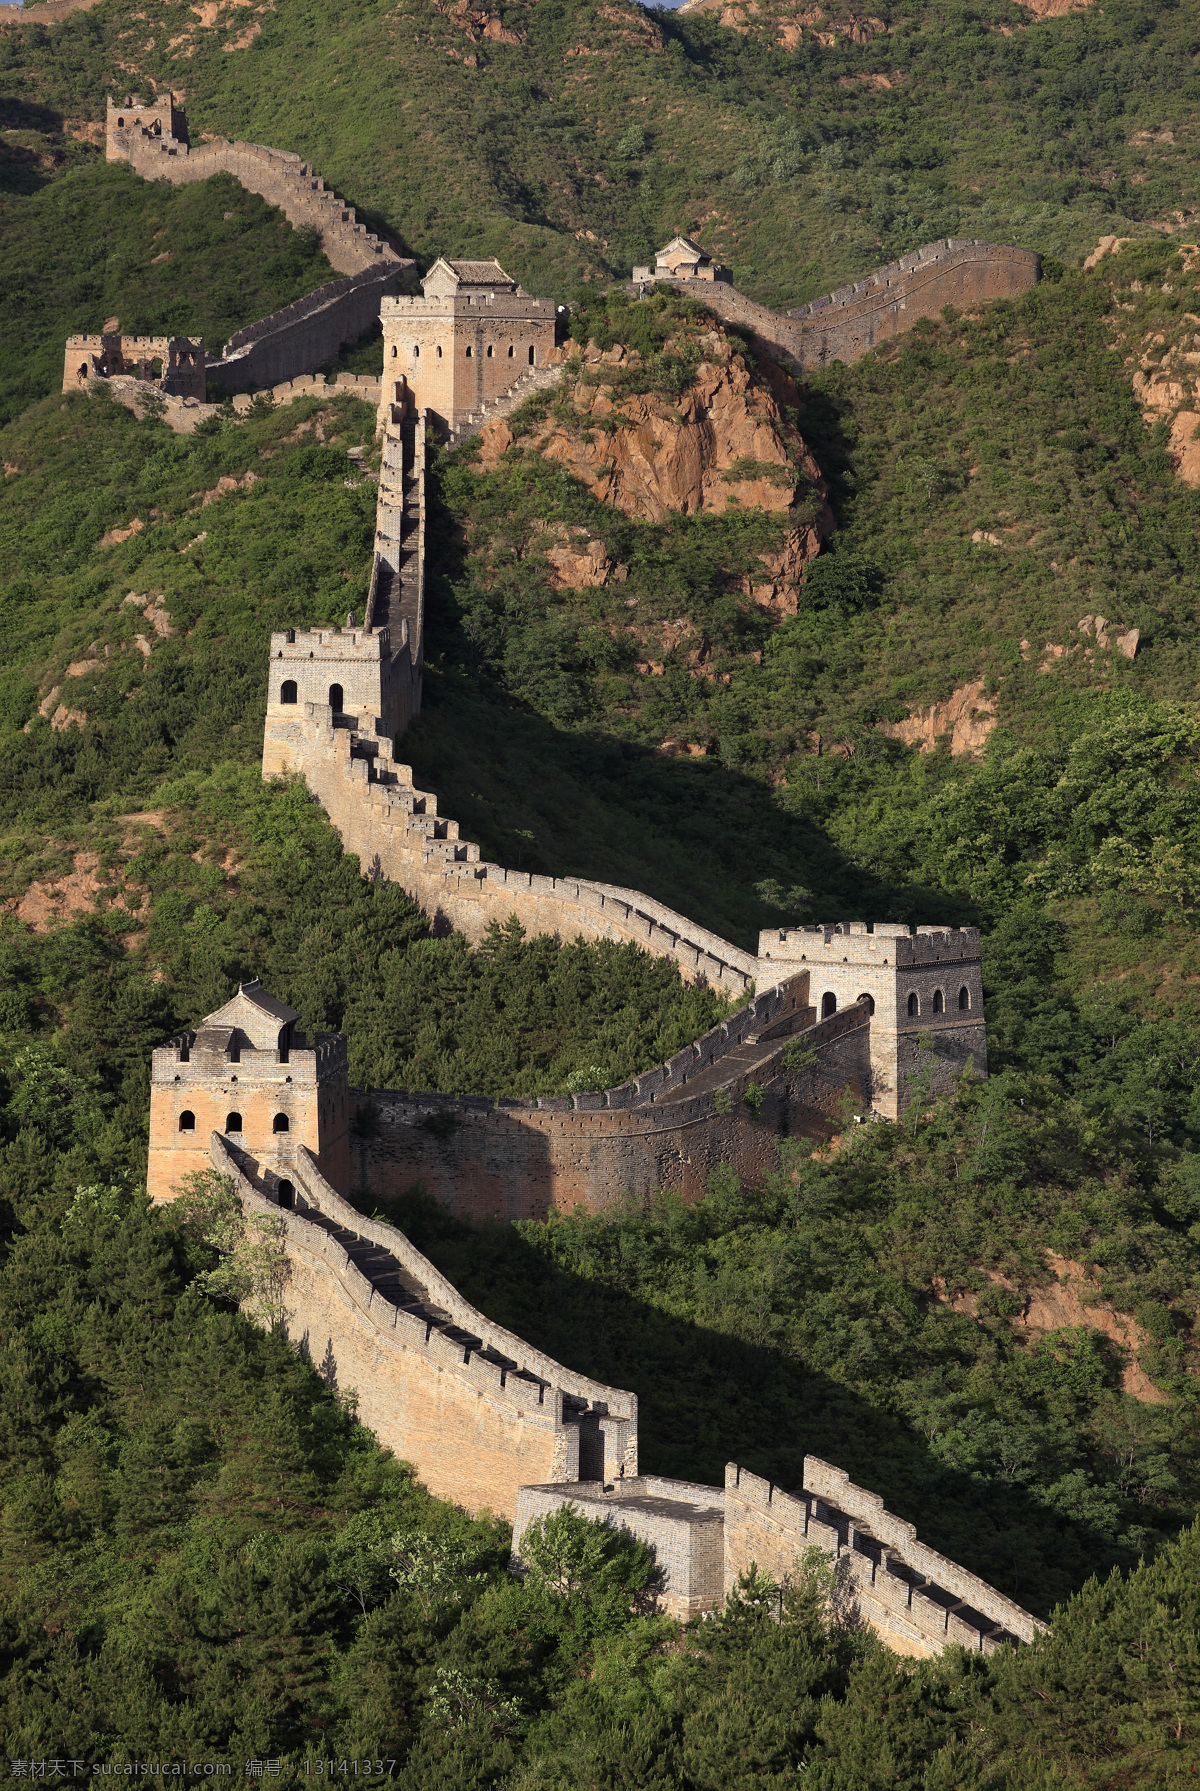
724	444
967	716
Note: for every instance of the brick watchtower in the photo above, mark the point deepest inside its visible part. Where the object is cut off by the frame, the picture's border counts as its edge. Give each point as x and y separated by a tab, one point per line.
246	1072
465	342
128	118
927	986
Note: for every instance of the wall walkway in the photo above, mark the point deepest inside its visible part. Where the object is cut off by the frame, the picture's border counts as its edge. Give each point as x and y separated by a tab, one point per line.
475	1409
848	323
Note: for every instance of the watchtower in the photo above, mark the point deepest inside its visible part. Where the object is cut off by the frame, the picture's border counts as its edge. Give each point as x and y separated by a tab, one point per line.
159	117
247	1073
465	342
330	678
925	994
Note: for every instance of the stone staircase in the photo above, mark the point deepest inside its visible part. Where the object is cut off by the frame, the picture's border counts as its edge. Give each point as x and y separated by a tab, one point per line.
534	379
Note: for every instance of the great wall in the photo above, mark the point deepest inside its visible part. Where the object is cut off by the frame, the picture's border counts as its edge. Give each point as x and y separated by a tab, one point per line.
836	1021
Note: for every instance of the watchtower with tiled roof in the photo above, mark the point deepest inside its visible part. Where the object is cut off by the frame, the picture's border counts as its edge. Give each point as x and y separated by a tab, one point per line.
464	343
247	1073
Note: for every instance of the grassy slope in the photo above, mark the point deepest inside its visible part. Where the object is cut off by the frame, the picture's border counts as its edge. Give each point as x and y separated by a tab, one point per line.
601	129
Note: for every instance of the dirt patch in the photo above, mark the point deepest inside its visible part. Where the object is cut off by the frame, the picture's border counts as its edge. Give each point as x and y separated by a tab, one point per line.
111	537
1071	1300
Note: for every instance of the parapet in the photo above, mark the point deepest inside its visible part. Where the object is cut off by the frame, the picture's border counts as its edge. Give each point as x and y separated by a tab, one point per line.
918	1600
852	942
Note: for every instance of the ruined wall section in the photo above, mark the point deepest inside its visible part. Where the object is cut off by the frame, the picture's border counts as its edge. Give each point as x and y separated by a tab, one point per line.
848	323
668	1129
917	1600
475	1409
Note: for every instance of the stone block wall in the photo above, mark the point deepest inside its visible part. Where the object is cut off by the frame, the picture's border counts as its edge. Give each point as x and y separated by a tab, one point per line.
278	176
306	334
682	1523
523	1159
477	1411
846	324
917	1600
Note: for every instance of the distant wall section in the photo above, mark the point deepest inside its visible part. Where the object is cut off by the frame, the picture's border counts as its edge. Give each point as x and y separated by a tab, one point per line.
848	323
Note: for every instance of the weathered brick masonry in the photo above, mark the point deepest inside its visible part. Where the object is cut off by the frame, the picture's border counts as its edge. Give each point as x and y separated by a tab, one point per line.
476	1409
846	324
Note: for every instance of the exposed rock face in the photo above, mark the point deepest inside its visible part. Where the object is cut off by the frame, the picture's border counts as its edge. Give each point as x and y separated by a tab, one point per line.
724	444
967	715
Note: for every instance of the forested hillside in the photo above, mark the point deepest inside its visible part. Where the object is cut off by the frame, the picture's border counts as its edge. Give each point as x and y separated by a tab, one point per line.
933	662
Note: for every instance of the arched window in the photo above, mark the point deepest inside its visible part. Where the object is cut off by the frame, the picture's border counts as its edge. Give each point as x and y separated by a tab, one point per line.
439	354
510	351
939	1005
964	999
531	354
120	124
287	691
468	351
828	1004
287	1194
233	1122
395	352
187	1122
416	351
489	352
914	1006
870	1001
281	1123
337	697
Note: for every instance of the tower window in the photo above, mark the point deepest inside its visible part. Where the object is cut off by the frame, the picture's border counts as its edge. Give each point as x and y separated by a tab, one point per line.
287	691
828	1004
337	697
939	1005
964	999
870	1001
531	354
120	124
281	1123
468	351
395	352
510	351
439	353
489	352
914	1006
233	1122
287	1194
187	1122
416	351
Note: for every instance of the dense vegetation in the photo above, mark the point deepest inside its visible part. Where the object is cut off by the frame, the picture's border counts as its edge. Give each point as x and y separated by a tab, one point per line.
202	1558
577	135
98	244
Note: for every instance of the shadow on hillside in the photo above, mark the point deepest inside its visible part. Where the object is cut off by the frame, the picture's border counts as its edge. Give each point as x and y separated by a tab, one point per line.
692	832
706	1399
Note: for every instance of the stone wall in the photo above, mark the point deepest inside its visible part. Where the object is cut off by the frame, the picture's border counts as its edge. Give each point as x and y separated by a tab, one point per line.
846	324
917	1600
477	1411
682	1523
278	176
306	334
184	414
669	1129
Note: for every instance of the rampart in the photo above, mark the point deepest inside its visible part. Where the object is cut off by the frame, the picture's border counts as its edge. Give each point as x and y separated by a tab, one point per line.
918	1601
183	414
475	1409
172	366
151	139
306	334
765	1073
848	323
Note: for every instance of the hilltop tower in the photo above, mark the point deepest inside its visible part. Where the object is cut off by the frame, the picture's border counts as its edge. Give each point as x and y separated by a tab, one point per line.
927	988
127	118
464	343
249	1075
